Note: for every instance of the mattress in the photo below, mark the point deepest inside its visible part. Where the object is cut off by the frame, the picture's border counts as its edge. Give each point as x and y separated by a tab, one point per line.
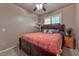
49	42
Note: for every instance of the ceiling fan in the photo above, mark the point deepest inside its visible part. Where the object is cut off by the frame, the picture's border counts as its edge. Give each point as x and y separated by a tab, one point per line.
39	6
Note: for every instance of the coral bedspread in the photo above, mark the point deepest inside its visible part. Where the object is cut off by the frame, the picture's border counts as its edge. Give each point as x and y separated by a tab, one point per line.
50	42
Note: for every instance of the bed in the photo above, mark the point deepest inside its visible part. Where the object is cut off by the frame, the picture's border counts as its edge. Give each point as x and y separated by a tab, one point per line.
42	43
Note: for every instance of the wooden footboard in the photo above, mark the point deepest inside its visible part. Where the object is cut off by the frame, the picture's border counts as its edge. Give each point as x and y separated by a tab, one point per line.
32	49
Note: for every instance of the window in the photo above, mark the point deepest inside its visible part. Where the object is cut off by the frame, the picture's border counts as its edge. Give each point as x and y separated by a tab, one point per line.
53	20
47	21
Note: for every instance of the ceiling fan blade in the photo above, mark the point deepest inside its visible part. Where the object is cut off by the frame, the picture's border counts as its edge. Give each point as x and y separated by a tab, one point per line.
34	9
44	8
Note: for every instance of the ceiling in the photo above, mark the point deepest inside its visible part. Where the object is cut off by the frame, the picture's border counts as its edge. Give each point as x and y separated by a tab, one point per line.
48	6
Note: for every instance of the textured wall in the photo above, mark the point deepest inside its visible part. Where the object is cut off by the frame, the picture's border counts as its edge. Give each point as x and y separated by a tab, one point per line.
13	22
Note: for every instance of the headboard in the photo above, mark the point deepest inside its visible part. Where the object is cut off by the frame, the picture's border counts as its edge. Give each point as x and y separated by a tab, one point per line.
61	27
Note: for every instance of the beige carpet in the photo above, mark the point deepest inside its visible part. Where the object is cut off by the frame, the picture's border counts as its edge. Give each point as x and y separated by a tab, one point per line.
13	52
70	52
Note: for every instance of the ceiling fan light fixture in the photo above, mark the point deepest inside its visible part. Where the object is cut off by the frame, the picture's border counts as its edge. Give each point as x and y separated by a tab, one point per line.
39	6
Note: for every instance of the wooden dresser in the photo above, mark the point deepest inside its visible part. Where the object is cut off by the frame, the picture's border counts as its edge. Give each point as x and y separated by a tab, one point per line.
69	42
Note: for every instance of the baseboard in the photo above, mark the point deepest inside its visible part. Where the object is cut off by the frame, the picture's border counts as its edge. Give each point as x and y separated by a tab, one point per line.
7	49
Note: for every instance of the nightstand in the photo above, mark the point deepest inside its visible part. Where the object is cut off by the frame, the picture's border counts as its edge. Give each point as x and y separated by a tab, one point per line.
69	42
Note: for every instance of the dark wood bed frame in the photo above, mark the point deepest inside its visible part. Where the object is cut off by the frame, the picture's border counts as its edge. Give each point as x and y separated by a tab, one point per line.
33	50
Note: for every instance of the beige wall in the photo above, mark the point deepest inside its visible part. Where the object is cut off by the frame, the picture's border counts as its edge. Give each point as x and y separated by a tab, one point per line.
16	21
77	26
68	15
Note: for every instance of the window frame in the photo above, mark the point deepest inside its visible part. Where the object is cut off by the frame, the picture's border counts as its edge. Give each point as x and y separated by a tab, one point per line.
60	16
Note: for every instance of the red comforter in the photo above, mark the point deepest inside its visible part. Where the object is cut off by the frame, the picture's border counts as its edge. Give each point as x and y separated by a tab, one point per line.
50	42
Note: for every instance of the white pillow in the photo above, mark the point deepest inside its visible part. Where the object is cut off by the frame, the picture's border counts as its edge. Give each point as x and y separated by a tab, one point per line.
45	30
50	31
